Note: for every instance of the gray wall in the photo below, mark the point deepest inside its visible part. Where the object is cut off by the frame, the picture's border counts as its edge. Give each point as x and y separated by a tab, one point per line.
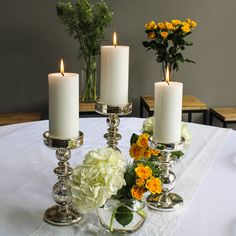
32	40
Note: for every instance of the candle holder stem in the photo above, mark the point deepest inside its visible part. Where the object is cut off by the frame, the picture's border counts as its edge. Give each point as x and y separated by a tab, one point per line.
113	136
63	213
113	120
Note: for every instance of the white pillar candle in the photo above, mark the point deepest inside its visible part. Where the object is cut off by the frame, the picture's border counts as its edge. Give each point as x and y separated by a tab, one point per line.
114	75
63	105
167	112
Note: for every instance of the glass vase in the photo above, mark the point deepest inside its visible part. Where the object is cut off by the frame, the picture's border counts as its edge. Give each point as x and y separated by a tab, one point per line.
89	81
122	215
167	71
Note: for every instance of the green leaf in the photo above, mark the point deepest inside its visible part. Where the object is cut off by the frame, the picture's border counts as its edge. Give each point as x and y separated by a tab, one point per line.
123	215
177	154
159	59
179	57
172	51
133	139
146	44
188	43
160	46
190	61
170	36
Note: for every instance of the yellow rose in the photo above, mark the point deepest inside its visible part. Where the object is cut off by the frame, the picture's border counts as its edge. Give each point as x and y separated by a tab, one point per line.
151	25
136	152
164	34
147	153
176	22
193	24
151	35
154	185
143	172
154	152
143	140
188	20
184	23
161	26
185	28
169	26
140	182
137	192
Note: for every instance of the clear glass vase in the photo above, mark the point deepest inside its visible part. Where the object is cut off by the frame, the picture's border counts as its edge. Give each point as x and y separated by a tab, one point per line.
122	215
89	80
167	71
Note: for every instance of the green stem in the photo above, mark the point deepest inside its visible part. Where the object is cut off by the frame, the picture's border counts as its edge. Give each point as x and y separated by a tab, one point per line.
142	213
89	93
112	219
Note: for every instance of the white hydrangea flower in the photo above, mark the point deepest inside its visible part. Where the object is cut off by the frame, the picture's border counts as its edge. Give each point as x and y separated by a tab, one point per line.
100	177
148	125
185	133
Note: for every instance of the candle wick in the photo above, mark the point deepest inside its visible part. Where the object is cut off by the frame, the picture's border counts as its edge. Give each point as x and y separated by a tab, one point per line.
62	74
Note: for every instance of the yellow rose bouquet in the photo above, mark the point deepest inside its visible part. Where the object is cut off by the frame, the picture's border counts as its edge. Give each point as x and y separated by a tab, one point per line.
168	40
143	174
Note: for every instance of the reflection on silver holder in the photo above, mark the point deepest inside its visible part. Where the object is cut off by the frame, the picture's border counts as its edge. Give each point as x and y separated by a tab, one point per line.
63	213
166	201
113	120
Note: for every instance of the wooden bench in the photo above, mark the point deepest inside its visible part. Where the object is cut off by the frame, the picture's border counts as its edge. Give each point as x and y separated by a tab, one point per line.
18	117
226	115
191	105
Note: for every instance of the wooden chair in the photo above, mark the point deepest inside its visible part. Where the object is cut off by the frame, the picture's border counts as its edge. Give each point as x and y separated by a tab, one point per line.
18	117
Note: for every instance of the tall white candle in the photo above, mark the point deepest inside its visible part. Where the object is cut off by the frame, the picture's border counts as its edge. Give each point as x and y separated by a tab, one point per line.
167	112
114	75
63	105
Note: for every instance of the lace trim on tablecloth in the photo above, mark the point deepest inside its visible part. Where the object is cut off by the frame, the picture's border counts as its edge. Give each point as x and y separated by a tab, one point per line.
190	173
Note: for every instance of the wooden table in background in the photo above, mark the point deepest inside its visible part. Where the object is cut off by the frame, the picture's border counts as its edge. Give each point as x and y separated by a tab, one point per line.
226	115
191	105
87	109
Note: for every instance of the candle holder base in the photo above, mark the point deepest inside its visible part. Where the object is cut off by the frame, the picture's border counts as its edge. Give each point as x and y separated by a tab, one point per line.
62	214
113	121
172	202
58	215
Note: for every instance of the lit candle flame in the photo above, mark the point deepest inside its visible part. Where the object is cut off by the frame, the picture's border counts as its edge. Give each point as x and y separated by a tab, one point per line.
114	39
62	67
167	77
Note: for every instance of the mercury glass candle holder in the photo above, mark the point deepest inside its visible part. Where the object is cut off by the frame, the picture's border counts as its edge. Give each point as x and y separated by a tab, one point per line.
167	200
63	213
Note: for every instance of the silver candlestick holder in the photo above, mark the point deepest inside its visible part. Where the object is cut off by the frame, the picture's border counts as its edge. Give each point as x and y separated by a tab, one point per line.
63	213
167	200
113	120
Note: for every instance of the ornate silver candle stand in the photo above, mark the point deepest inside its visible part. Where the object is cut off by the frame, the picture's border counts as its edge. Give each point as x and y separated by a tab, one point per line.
62	214
113	120
166	201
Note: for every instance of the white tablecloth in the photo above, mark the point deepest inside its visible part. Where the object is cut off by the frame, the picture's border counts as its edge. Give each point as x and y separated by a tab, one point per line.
27	178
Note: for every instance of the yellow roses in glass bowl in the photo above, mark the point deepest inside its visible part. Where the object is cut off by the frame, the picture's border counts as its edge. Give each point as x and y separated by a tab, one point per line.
125	211
168	40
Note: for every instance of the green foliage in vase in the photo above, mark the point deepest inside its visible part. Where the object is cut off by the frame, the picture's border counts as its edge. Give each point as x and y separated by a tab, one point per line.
86	23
